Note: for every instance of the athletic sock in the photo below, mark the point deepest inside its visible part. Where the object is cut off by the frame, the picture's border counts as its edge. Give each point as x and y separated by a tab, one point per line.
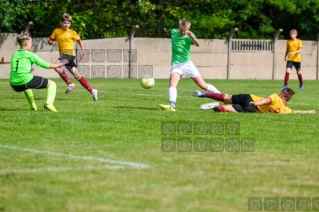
300	79
212	89
29	94
172	96
51	93
216	96
220	108
286	78
85	84
65	77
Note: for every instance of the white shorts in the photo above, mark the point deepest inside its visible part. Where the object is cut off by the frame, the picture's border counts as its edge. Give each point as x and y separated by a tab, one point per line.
187	69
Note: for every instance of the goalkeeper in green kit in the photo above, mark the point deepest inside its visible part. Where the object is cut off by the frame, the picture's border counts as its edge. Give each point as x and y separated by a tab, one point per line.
21	77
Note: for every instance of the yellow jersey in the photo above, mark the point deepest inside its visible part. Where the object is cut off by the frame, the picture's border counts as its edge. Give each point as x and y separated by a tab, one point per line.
276	105
65	39
292	46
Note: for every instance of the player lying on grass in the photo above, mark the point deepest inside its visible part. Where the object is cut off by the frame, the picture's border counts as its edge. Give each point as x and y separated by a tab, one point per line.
251	103
21	77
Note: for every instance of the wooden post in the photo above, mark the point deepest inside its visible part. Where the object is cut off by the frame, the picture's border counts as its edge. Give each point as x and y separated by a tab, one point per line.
274	52
317	74
27	26
231	34
131	36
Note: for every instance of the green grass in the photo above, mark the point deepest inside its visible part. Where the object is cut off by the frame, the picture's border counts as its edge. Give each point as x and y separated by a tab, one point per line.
71	160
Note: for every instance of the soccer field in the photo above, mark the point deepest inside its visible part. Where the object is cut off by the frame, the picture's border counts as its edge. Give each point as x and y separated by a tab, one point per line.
108	155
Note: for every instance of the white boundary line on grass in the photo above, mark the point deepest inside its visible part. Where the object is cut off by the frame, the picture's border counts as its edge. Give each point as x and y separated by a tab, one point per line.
56	169
127	164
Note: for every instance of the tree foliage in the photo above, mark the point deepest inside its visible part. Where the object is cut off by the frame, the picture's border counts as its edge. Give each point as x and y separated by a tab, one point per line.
96	19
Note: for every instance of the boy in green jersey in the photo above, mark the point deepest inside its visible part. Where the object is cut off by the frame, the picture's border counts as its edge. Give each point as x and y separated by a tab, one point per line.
182	64
21	77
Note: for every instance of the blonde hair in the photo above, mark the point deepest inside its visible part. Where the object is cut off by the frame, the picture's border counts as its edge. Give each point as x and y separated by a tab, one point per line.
22	37
66	17
293	31
184	23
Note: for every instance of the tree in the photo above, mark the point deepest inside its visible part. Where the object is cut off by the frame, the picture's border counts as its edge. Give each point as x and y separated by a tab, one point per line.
257	19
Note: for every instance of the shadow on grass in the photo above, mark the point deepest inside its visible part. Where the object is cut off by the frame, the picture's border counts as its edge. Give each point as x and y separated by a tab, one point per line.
141	108
14	109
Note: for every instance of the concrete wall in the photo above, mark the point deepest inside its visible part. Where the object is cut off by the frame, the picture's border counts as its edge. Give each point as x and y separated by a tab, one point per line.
109	58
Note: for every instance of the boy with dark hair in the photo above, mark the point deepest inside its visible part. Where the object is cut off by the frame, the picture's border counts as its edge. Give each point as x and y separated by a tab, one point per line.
251	103
65	38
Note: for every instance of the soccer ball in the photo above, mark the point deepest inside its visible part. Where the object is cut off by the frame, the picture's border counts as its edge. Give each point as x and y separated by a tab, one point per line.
147	82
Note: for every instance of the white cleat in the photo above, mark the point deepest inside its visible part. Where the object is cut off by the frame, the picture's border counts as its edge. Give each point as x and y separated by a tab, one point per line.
94	94
69	88
197	94
209	106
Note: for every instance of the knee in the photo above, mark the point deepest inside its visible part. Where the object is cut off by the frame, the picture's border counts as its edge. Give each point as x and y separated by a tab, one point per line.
75	74
203	85
57	70
50	82
78	77
227	99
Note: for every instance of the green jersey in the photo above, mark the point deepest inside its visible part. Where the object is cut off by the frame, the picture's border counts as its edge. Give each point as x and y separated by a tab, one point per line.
21	63
181	47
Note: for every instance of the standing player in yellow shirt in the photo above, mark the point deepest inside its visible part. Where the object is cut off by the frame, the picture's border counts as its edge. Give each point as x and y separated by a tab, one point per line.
293	57
65	38
250	103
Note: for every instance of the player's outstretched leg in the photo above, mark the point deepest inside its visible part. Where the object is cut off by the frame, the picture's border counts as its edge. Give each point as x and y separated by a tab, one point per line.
70	86
88	87
84	83
202	84
286	79
218	108
29	94
51	92
172	96
172	93
300	80
215	96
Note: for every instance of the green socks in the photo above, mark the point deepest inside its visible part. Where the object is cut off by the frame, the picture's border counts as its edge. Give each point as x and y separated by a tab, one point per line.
51	93
29	94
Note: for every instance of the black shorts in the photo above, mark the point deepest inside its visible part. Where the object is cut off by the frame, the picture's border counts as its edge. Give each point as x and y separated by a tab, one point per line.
36	83
241	103
291	64
71	60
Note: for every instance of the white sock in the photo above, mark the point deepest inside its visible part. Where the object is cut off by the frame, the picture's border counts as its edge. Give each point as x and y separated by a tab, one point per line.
212	89
172	96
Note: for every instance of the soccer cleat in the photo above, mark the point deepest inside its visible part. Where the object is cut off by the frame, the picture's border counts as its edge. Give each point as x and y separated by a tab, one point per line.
69	88
94	94
50	108
209	106
284	87
301	87
198	94
167	107
34	107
